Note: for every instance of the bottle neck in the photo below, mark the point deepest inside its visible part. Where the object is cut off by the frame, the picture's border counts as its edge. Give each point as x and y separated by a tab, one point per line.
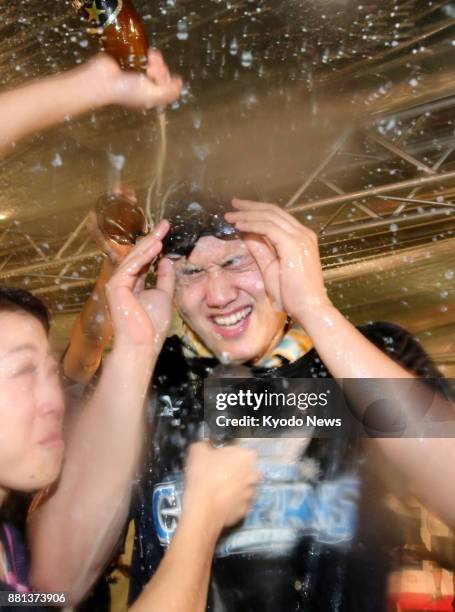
99	13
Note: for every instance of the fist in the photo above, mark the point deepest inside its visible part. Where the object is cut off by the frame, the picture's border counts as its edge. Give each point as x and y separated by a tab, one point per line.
222	480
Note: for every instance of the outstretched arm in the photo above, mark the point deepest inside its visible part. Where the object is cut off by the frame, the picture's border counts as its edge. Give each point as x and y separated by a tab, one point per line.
100	82
73	532
219	488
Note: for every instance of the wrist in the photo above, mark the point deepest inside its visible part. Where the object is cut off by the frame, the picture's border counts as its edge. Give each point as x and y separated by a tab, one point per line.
96	79
133	356
198	509
316	311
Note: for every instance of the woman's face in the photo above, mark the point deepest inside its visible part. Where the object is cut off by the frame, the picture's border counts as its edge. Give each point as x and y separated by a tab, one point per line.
31	405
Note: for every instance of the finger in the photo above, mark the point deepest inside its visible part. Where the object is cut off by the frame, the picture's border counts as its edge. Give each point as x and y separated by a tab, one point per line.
162	228
129	271
263	215
153	58
157	71
168	92
278	237
153	55
272	212
143	249
262	208
137	268
267	261
241	203
139	91
156	68
263	252
265	206
144	244
165	280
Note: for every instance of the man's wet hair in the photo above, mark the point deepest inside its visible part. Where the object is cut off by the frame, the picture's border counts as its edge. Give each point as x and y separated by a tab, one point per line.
18	300
193	216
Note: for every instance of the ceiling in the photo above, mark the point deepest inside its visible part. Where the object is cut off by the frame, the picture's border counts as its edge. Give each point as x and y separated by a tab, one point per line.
341	111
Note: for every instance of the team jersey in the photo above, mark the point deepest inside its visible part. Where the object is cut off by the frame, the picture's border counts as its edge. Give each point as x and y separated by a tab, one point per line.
319	536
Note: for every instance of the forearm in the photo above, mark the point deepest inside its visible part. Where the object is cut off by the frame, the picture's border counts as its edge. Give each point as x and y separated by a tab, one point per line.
94	318
91	332
425	463
344	349
46	102
74	532
184	564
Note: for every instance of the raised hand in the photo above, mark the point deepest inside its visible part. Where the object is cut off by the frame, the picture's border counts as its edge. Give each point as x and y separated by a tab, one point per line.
287	254
142	317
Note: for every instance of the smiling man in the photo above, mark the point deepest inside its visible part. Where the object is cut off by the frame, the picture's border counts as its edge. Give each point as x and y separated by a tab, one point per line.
250	290
236	319
221	296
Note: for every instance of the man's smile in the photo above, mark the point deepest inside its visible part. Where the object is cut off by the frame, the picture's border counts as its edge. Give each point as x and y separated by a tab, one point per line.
232	323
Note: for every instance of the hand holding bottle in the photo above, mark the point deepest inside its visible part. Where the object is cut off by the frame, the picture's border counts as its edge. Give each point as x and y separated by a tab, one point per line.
137	90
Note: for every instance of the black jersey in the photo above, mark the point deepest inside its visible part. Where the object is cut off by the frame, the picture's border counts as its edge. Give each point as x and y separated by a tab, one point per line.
318	538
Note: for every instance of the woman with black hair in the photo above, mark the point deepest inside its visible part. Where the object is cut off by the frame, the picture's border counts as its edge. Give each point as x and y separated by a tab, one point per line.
31	418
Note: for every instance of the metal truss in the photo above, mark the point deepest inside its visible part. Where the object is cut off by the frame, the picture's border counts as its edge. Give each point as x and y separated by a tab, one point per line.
404	206
420	197
49	273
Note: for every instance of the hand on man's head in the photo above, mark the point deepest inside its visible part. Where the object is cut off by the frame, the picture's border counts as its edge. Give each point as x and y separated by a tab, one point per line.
287	254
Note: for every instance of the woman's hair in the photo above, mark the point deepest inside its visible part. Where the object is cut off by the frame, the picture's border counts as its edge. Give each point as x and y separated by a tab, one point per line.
14	510
18	300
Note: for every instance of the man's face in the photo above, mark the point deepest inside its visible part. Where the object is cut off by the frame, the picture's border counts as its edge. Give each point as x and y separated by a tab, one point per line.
221	296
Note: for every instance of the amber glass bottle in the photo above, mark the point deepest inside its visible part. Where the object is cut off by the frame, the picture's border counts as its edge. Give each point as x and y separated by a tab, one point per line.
120	219
122	33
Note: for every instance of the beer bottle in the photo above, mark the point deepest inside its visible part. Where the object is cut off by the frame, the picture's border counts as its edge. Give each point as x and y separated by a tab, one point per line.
122	33
120	219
